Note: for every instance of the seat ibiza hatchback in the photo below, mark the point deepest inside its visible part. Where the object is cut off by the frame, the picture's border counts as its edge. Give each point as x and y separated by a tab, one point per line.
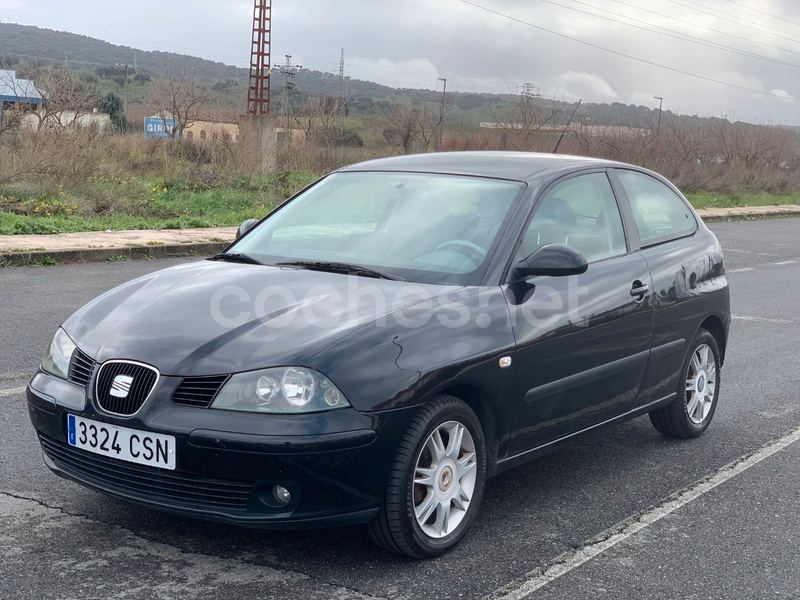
386	340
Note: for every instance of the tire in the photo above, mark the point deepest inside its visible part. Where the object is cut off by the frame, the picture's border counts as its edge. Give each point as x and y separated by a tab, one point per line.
684	418
447	483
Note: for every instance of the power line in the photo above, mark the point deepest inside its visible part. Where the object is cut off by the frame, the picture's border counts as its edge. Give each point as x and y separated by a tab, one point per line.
785	20
685	22
749	24
685	37
628	56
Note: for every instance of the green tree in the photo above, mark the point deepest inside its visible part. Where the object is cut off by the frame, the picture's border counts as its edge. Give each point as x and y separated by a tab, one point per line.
113	105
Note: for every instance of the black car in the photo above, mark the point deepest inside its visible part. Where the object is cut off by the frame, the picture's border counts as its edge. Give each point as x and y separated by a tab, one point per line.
382	343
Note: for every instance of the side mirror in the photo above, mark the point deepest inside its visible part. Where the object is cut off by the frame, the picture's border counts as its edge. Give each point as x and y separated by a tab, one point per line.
245	227
555	260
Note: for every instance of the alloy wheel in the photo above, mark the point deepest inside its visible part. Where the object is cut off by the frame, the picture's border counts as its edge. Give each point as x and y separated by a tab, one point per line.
444	479
701	383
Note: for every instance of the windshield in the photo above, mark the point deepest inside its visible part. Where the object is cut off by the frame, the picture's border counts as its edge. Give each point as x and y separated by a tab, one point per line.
422	227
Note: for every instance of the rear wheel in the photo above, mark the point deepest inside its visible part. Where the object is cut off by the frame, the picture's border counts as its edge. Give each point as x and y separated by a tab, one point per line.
435	483
691	412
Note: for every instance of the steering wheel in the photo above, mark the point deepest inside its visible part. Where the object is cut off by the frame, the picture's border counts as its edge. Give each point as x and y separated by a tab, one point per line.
472	251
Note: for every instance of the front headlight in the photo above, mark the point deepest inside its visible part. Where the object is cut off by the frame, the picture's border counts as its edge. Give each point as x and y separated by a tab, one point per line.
280	390
56	361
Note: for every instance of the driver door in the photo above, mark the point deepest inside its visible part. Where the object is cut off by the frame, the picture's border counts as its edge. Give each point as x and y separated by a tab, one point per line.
582	341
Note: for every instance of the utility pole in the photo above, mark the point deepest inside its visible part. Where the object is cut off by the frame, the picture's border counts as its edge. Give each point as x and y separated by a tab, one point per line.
260	47
441	114
125	69
343	93
658	128
126	93
258	136
288	70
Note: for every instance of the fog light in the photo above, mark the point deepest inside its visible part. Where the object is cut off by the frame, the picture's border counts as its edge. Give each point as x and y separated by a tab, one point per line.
281	495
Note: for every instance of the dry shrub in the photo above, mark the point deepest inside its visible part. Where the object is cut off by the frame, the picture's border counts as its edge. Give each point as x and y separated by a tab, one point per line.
54	157
103	173
714	156
322	158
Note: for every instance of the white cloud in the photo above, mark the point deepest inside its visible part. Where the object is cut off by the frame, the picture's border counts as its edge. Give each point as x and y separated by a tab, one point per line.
417	72
589	86
782	93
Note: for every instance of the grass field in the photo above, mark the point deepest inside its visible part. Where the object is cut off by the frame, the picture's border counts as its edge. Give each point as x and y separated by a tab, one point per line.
730	200
104	205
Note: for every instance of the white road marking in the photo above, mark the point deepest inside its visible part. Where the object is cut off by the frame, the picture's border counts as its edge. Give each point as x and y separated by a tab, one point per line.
785	262
11	392
742	270
761	319
622	531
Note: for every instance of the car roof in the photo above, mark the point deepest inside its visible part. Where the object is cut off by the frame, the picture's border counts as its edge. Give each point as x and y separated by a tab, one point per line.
518	166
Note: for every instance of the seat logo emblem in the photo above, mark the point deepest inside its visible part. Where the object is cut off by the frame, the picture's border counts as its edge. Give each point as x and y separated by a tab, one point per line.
121	386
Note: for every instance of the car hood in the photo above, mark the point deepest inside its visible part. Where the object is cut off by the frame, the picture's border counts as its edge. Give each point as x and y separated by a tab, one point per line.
211	318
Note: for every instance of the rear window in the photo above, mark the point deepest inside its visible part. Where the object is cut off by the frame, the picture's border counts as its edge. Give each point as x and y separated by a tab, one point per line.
661	215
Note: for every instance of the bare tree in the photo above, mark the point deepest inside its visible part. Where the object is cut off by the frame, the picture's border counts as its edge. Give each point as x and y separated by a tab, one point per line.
401	125
524	118
319	118
306	118
179	95
754	145
685	141
429	118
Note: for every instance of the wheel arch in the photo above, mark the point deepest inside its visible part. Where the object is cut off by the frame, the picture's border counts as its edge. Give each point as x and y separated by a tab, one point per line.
713	324
483	406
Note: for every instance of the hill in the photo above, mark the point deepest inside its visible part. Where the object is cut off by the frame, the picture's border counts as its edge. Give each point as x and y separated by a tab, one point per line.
22	45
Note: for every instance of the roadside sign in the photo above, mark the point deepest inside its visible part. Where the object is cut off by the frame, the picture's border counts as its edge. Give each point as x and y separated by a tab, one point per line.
156	127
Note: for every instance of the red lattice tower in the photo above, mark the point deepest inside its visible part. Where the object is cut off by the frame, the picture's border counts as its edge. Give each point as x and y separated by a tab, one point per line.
258	91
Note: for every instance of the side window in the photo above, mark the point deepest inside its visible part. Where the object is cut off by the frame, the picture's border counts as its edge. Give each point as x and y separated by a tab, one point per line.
582	213
660	214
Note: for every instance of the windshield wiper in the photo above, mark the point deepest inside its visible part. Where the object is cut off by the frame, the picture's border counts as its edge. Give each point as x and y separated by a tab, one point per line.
334	267
238	257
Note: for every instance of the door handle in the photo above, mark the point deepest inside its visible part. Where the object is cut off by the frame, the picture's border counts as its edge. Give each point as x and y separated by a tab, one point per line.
639	290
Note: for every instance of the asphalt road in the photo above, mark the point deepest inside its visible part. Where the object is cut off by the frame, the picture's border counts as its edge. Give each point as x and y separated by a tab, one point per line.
595	519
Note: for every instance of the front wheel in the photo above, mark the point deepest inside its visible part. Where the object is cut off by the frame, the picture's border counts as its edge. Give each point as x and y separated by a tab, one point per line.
691	412
436	481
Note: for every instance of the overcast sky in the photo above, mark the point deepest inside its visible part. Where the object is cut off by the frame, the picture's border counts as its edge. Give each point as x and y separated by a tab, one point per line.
414	42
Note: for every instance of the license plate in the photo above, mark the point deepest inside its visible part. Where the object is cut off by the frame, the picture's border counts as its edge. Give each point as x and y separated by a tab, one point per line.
130	445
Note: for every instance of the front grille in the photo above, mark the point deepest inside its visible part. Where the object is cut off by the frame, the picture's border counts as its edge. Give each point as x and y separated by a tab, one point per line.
80	368
148	483
198	391
122	387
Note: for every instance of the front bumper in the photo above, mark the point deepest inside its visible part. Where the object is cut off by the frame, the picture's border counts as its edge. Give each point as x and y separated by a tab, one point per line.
334	464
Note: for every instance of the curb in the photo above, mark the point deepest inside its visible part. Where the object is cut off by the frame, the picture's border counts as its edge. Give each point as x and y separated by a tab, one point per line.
62	257
750	216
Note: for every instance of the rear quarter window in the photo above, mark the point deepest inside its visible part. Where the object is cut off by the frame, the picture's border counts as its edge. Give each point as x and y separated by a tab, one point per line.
661	215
